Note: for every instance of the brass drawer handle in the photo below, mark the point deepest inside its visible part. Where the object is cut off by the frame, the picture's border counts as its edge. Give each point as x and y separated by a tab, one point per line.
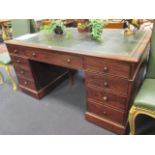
34	54
68	60
25	82
104	112
15	51
105	69
105	84
105	98
22	72
18	61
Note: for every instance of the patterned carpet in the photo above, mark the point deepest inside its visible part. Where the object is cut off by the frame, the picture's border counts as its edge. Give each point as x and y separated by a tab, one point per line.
3	48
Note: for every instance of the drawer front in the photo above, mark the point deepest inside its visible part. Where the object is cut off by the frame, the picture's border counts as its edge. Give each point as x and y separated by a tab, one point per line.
19	61
16	50
106	66
106	112
26	83
56	58
108	99
23	72
107	83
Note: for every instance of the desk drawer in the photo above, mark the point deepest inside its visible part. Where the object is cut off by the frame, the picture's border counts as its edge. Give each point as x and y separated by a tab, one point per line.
26	83
16	50
19	61
105	98
56	58
106	66
106	112
23	72
107	83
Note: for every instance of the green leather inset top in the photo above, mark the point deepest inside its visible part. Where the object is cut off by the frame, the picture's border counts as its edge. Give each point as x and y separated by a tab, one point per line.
146	96
114	43
5	58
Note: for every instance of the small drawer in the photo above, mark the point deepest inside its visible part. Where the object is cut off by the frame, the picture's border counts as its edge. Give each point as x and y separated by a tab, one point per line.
107	83
105	98
15	50
104	66
106	112
23	72
19	61
56	58
26	83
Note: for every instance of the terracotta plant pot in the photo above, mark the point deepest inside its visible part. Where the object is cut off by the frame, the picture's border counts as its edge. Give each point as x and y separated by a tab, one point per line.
82	25
83	30
46	22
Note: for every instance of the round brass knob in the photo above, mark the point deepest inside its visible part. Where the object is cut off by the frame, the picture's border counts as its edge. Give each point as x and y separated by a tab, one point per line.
105	69
105	98
22	72
18	61
33	54
25	82
106	84
68	60
104	112
15	51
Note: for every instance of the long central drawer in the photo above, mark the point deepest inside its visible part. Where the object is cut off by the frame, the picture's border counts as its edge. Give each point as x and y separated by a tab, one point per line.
48	56
56	58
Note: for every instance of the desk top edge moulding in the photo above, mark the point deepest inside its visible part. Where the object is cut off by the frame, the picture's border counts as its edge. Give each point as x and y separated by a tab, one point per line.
124	48
114	69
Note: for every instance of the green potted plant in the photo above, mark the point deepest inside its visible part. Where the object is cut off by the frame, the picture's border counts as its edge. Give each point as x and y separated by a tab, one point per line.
96	28
56	26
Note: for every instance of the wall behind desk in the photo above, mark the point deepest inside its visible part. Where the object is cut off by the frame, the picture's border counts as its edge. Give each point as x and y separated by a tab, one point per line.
20	27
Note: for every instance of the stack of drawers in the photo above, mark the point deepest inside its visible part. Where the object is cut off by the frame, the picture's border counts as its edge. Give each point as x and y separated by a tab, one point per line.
107	90
22	68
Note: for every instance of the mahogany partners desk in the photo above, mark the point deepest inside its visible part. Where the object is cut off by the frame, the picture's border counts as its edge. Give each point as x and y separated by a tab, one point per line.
113	69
